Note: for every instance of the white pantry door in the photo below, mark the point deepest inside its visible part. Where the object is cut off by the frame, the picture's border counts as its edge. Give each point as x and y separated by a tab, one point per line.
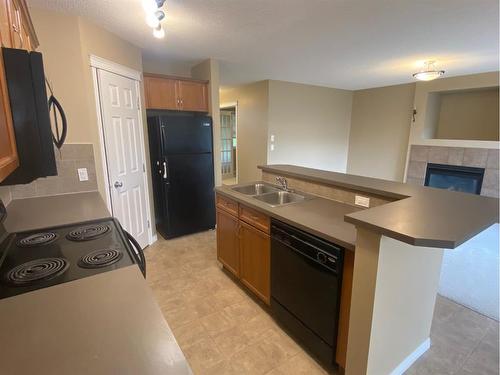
124	157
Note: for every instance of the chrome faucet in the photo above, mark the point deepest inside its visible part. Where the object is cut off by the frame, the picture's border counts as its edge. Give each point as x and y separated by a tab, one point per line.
283	182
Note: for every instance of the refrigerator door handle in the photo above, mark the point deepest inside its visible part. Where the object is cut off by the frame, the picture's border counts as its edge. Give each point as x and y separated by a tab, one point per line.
164	170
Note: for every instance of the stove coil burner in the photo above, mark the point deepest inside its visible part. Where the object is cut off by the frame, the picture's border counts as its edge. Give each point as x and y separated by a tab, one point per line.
37	239
89	232
37	270
100	258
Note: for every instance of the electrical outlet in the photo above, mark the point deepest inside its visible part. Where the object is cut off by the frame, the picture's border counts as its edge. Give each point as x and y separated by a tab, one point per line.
272	137
83	174
362	201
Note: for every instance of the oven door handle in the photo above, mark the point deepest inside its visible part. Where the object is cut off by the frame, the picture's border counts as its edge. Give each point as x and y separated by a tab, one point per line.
138	251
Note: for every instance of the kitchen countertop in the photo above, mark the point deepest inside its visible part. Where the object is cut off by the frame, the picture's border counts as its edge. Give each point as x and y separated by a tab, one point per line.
42	212
421	216
105	324
319	216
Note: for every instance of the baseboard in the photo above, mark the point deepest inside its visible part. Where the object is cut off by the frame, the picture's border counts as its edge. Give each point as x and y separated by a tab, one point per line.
410	360
154	239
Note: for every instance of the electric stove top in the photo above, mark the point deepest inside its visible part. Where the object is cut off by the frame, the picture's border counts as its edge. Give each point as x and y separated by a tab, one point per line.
43	258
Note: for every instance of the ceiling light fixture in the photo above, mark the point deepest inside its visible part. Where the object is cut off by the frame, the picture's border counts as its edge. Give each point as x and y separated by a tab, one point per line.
152	20
429	72
159	32
154	16
149	5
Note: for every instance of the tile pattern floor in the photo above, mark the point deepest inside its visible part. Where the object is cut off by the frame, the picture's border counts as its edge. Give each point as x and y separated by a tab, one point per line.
222	330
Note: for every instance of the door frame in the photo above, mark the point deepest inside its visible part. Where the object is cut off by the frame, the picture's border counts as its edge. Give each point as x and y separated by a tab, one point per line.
235	105
96	63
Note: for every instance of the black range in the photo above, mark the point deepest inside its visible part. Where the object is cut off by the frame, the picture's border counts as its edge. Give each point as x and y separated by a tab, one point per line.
43	258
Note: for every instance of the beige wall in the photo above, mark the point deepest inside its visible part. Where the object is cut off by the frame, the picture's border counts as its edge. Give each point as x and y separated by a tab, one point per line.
66	42
424	128
380	127
469	115
404	303
209	70
163	66
310	125
251	127
59	36
392	304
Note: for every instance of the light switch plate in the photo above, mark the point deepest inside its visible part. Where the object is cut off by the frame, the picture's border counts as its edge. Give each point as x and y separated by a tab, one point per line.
83	174
362	201
272	146
272	137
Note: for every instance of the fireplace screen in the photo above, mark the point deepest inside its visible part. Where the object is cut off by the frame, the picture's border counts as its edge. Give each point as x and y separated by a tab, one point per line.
454	178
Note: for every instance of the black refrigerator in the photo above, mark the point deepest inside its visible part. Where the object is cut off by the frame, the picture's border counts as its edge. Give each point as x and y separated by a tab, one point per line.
182	166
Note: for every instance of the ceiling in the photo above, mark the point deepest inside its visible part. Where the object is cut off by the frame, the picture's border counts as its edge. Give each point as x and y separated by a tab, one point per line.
349	44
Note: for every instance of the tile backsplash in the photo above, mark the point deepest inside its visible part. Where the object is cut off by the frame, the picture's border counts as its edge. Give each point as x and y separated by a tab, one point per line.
68	160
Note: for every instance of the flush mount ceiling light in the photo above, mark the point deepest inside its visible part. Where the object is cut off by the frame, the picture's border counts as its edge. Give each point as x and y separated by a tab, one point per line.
429	72
154	16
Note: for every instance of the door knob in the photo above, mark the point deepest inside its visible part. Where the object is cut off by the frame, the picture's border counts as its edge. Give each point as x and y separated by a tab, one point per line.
118	184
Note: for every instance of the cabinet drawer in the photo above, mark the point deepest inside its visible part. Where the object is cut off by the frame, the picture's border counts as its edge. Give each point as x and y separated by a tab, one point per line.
227	204
255	218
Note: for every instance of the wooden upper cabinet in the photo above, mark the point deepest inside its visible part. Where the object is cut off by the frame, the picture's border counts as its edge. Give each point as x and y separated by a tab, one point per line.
5	26
160	93
178	94
193	96
16	31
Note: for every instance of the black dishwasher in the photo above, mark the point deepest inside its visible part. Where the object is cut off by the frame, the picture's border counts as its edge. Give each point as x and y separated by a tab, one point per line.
306	274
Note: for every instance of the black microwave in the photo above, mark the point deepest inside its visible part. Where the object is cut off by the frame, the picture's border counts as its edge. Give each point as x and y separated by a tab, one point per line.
30	114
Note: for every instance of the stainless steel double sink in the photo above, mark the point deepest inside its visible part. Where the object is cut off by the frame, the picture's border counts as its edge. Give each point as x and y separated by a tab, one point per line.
271	195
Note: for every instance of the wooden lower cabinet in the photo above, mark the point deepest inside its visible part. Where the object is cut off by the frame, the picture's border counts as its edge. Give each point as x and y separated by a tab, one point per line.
244	248
228	242
255	261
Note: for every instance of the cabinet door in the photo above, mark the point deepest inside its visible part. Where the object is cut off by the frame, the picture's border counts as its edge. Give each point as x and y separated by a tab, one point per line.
228	252
15	22
5	27
194	96
160	93
9	160
255	253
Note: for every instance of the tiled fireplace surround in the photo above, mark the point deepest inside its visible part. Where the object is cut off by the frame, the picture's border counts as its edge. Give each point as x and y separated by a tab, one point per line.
462	156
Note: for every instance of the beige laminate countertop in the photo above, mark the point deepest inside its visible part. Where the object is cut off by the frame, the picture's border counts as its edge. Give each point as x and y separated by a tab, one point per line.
319	216
421	216
105	324
42	212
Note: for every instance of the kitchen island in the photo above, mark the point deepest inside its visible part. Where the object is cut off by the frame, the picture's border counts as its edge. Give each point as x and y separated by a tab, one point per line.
396	244
108	323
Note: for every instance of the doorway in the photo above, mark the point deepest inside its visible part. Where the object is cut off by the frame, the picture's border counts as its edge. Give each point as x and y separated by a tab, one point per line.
229	143
121	134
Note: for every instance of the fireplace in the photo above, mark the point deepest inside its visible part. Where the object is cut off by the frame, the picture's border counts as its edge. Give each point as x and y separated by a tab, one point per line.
454	178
